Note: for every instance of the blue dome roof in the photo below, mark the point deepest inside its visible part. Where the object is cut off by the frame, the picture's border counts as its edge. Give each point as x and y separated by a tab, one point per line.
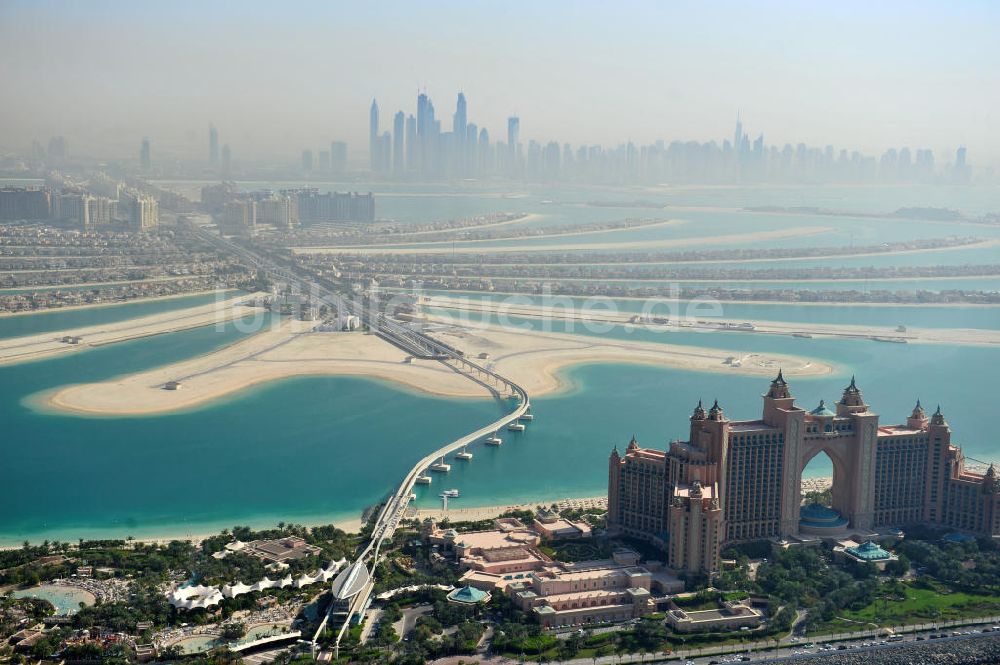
818	516
869	551
468	594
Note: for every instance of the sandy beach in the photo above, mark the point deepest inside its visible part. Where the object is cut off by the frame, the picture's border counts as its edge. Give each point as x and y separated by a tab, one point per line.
455	513
974	245
736	238
534	360
783	303
523	219
35	347
955	336
564	234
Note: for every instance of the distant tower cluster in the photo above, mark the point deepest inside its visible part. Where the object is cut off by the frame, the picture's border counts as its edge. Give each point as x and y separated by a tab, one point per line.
418	147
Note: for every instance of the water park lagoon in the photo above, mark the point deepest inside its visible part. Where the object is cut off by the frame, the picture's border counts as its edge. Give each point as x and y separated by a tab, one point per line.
65	599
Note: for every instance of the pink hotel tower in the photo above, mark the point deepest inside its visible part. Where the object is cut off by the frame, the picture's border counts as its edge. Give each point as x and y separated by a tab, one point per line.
740	480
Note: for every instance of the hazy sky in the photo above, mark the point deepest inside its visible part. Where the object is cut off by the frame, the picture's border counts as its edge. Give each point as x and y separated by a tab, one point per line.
278	78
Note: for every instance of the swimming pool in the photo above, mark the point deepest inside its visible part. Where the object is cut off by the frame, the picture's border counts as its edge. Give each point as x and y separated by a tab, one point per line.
65	599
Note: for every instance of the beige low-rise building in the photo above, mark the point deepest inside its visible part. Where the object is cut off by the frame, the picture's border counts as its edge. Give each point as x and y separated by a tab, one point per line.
730	615
588	592
552	526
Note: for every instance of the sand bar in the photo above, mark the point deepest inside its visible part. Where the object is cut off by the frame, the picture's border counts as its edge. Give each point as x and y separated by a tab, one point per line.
35	347
736	238
980	244
532	359
955	336
446	244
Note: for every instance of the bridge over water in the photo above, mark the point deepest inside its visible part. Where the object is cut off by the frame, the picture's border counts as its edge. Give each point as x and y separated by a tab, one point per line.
352	588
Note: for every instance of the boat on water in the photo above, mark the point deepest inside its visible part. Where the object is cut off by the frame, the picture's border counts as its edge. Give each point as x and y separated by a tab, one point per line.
464	454
803	335
891	340
450	494
515	427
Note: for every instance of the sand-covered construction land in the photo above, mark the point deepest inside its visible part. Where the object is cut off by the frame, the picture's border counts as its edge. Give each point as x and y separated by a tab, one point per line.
525	244
35	347
534	360
600	315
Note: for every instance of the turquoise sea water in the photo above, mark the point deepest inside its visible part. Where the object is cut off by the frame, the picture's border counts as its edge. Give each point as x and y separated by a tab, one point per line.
307	449
316	449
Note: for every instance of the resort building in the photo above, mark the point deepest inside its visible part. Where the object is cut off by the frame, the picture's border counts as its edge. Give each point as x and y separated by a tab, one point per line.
568	594
731	615
468	595
490	557
552	526
507	560
867	552
281	550
740	480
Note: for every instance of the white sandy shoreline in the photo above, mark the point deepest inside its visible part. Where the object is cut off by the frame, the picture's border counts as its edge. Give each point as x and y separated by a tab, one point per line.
474	512
535	360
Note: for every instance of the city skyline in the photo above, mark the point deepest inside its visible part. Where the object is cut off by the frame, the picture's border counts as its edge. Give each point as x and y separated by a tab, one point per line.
774	69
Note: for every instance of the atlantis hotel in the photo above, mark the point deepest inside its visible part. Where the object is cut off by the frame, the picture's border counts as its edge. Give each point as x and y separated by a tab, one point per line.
740	480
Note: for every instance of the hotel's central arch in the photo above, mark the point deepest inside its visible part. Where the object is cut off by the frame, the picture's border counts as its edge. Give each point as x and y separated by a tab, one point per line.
847	435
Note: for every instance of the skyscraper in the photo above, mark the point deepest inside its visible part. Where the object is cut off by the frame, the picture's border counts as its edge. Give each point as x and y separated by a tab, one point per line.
961	168
307	160
373	147
459	120
144	156
411	143
213	145
422	103
338	156
513	140
459	123
398	166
